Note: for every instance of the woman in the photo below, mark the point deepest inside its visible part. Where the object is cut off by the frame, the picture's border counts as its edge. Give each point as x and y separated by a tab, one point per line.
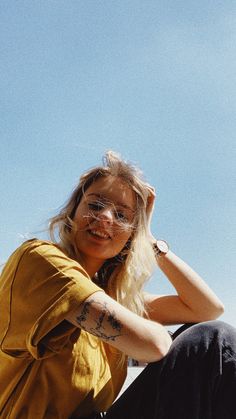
73	309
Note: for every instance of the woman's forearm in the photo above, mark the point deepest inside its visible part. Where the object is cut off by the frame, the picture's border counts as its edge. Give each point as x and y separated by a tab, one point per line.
191	288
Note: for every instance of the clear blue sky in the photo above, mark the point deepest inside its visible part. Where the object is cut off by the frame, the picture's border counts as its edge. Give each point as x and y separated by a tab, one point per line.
153	80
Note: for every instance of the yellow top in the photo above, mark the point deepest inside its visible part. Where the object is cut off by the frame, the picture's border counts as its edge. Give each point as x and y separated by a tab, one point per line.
48	367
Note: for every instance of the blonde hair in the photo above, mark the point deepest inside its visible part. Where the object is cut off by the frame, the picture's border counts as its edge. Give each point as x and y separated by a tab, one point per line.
123	277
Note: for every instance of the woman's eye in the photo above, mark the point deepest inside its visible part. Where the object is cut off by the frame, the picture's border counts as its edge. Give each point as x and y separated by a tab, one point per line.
121	216
99	206
96	206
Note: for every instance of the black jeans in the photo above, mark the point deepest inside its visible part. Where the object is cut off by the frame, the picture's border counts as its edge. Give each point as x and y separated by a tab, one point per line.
196	379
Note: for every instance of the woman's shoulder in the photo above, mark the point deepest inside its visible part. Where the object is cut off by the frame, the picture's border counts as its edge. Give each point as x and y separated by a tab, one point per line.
33	247
41	252
38	244
41	246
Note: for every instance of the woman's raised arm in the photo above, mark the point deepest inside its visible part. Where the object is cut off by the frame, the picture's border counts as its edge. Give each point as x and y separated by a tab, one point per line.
195	301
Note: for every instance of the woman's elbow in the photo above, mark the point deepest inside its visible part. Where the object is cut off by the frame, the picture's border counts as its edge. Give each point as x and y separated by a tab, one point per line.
159	349
218	310
212	313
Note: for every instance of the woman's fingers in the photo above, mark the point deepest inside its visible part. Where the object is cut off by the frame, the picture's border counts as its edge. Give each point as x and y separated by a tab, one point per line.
150	199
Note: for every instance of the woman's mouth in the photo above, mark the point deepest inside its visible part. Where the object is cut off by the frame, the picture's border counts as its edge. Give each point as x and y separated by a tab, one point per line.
99	234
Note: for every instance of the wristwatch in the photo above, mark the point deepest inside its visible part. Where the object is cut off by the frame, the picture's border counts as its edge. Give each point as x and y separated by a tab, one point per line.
160	248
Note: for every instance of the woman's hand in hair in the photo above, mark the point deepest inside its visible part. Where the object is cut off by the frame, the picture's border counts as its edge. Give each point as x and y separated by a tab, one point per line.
150	208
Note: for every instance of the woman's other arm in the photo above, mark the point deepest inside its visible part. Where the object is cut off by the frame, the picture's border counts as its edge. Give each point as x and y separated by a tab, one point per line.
133	335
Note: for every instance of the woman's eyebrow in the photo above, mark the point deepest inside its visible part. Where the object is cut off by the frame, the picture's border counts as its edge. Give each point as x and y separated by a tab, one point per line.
120	204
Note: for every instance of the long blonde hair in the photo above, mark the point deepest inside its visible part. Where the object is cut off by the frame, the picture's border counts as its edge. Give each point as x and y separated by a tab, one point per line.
123	277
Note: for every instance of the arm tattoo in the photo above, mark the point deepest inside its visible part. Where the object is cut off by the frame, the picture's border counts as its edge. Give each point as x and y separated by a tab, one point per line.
107	317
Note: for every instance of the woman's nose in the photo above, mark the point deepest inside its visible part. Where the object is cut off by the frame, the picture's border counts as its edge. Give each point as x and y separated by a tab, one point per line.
107	215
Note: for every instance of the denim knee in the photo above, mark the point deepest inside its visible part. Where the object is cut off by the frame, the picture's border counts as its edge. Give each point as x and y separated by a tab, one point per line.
198	338
215	329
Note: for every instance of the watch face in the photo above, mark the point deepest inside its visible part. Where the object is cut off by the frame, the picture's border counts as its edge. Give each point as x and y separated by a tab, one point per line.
162	246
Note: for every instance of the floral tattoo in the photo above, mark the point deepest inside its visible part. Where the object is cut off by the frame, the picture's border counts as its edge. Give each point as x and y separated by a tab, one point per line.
106	321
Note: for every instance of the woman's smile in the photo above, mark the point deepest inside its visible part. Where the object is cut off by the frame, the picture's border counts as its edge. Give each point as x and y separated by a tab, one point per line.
99	235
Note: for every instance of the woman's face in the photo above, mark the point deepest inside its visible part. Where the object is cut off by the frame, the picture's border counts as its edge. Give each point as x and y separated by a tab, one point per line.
104	219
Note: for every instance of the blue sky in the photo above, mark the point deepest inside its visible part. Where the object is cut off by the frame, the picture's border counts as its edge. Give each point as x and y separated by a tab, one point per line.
153	80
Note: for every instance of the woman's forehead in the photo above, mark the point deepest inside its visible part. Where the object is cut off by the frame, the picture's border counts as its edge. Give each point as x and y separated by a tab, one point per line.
113	189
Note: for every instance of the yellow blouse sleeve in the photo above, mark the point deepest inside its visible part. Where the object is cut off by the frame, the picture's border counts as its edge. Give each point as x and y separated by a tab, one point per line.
40	287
